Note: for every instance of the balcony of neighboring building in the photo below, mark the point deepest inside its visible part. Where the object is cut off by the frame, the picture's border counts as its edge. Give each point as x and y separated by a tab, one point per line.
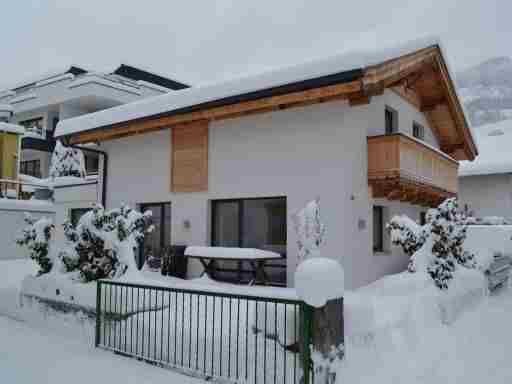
403	168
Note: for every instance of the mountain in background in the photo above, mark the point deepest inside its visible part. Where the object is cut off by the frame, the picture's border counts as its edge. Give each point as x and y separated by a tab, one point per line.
486	91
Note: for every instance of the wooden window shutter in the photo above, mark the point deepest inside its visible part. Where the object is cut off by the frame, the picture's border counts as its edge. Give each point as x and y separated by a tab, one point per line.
189	168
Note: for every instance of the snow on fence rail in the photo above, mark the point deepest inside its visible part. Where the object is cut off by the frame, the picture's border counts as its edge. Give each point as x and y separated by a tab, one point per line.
224	335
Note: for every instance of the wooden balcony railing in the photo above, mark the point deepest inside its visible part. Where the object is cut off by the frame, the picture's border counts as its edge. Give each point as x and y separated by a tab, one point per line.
403	168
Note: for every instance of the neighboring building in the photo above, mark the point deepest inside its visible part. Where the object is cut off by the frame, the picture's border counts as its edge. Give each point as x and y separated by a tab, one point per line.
10	139
485	185
371	134
39	104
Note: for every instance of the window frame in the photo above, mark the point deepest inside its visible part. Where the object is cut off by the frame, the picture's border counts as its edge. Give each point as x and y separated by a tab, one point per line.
161	204
24	167
240	203
394	120
40	130
420	128
380	247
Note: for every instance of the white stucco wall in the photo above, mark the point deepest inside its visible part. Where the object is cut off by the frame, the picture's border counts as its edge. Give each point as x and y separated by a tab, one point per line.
300	153
487	195
12	213
407	114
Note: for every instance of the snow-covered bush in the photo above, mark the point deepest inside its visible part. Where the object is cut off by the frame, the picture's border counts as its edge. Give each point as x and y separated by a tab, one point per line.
447	228
67	162
407	234
37	238
103	243
310	230
437	247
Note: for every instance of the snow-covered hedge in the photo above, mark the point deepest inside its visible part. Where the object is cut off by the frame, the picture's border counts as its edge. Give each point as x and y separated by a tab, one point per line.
36	237
101	245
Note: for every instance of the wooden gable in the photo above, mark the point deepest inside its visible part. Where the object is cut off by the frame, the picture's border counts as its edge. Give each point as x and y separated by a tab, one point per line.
189	159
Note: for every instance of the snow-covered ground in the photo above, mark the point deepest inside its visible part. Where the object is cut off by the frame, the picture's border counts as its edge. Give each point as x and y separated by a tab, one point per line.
403	341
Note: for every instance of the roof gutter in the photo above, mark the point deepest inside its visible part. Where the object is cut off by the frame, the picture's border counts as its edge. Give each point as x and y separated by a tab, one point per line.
104	171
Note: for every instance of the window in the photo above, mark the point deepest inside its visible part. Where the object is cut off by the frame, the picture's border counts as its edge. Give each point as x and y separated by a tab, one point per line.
31	168
391	117
378	228
34	126
75	214
250	223
91	163
156	242
418	131
423	218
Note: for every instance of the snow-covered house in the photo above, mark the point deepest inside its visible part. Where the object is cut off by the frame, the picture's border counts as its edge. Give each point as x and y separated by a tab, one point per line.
39	103
485	185
371	133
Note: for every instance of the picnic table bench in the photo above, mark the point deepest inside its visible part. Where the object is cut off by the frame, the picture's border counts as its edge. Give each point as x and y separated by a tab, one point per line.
256	258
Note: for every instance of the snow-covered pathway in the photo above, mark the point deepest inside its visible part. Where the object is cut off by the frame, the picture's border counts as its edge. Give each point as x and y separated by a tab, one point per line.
28	355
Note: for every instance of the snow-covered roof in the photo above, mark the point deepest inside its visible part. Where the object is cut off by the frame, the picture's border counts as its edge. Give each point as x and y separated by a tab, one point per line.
239	86
494	143
11	128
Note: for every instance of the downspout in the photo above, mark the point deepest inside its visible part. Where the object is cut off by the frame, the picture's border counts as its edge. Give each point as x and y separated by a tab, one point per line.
103	173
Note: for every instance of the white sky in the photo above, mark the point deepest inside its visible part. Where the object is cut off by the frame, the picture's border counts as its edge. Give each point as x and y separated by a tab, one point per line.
198	41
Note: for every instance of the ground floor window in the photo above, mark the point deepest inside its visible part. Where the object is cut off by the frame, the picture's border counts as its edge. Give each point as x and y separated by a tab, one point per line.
250	223
31	168
75	214
157	241
378	228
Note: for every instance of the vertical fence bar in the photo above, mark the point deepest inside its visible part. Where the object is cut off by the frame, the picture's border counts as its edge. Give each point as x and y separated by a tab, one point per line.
98	313
307	315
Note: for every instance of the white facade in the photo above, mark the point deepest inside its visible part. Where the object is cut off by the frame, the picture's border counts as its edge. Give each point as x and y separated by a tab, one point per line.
302	153
487	195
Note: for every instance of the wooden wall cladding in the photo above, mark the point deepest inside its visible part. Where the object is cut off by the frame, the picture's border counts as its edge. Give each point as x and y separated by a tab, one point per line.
189	159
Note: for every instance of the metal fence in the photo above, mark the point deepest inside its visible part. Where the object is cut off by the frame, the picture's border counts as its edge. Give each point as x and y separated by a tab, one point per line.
238	338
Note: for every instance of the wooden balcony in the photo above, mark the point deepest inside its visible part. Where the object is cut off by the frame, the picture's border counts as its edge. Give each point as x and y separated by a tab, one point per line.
403	168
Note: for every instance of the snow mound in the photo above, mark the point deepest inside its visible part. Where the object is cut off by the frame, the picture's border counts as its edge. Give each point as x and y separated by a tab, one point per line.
318	280
485	241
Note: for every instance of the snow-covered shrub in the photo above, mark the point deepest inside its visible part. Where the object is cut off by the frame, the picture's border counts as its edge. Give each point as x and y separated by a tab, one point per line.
37	238
447	229
407	234
437	247
310	230
67	162
103	243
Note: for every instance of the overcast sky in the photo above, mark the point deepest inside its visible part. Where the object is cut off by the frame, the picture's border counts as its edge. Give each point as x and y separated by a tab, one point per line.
199	41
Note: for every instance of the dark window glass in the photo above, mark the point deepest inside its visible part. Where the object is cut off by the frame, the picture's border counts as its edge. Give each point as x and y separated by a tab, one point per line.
31	168
33	125
378	229
76	213
391	120
250	223
423	218
91	163
418	131
156	242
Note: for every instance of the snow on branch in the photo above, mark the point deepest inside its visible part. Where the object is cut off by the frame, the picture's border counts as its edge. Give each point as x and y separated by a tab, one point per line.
67	161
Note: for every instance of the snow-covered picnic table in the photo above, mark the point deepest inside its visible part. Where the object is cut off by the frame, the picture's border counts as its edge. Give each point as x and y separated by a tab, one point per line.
256	258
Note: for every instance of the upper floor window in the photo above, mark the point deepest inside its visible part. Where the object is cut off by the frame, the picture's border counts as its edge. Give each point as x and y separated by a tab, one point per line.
31	168
34	126
391	118
418	130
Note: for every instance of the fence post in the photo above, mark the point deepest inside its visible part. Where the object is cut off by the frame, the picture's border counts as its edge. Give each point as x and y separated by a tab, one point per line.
307	314
98	313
